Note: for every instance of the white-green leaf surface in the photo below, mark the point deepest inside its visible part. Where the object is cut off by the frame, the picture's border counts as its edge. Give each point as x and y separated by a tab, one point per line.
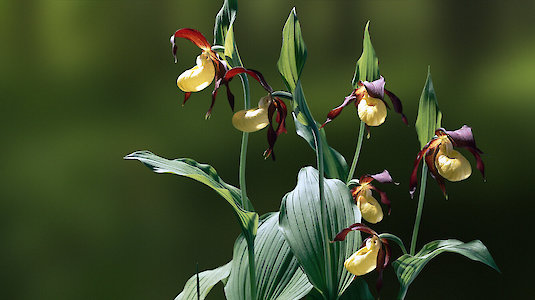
300	223
205	174
278	274
207	280
407	267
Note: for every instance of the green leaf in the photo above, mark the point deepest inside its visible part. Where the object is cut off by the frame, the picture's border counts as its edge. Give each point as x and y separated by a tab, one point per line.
278	274
224	20
205	174
293	52
207	280
367	68
429	115
407	267
300	218
231	52
291	62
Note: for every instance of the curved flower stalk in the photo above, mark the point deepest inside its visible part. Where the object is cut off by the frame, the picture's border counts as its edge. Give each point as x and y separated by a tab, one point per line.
369	100
255	119
445	162
369	207
374	253
209	67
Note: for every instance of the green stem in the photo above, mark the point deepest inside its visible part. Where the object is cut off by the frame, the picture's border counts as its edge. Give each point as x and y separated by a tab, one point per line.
421	197
324	217
357	151
243	153
243	187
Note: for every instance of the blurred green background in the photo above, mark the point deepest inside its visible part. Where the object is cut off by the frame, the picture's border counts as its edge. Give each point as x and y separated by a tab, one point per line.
83	83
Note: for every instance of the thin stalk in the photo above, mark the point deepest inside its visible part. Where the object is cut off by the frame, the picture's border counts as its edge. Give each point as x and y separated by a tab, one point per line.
421	198
324	218
244	141
245	200
357	151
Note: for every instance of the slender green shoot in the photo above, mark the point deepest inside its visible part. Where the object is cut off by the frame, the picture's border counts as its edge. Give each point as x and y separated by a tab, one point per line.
421	197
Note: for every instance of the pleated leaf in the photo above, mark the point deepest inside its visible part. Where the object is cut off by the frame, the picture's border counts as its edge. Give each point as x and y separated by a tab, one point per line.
291	62
367	68
207	280
429	115
224	19
300	221
278	274
205	174
407	267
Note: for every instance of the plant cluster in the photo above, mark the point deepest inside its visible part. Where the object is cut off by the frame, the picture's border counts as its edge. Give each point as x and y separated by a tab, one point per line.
313	246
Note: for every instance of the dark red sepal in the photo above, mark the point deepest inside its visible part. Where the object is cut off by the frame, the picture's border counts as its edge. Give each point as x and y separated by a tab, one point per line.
193	35
380	266
357	226
336	111
480	165
430	162
384	198
186	97
414	175
397	105
278	106
253	73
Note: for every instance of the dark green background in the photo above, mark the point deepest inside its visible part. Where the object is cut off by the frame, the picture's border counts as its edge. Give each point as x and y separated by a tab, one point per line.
83	83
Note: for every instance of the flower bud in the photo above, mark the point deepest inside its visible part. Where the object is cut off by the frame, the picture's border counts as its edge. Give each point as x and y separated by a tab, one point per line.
372	110
451	164
198	77
252	120
365	259
369	207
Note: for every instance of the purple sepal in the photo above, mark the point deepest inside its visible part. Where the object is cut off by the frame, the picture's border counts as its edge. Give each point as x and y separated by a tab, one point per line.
376	88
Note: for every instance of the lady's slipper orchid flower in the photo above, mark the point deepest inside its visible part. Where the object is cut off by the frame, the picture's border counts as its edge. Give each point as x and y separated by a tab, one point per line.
445	162
256	119
370	103
209	67
374	253
369	207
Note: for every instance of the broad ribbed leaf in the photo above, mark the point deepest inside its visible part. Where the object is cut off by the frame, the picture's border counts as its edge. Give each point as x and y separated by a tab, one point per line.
429	115
407	267
300	218
207	280
224	19
205	174
367	68
278	274
291	62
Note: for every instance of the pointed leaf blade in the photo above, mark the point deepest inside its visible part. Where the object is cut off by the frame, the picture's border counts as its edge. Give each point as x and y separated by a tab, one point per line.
277	270
207	280
224	19
300	223
429	115
293	52
408	267
367	68
291	62
205	174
